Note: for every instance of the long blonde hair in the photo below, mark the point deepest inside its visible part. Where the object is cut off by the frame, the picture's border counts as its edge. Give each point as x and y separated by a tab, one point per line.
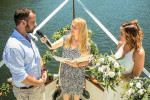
83	36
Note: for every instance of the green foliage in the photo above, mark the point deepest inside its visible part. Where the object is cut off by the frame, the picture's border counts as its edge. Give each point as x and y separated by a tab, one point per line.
5	89
94	49
137	89
58	34
90	33
48	55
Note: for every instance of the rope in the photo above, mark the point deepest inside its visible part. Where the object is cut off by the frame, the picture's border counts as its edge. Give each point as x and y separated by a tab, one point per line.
50	16
98	22
1	63
146	72
105	30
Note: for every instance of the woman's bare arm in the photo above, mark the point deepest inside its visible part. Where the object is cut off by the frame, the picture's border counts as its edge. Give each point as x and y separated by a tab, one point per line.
54	45
139	59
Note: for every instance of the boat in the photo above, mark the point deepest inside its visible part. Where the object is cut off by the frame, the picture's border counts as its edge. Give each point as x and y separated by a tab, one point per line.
94	89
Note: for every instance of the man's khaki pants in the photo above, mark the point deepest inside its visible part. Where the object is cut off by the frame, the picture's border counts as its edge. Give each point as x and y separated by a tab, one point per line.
34	93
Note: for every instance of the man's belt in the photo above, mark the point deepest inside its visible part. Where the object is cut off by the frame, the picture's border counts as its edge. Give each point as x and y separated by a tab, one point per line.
25	87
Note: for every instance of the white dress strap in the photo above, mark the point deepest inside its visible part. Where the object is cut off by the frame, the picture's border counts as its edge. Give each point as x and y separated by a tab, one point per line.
119	52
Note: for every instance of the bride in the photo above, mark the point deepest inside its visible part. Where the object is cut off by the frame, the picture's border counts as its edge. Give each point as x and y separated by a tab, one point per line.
130	48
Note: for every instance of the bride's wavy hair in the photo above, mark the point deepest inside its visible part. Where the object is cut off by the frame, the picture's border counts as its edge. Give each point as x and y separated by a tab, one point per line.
134	34
83	35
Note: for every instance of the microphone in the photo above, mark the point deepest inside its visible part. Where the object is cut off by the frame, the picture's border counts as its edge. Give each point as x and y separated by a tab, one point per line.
41	35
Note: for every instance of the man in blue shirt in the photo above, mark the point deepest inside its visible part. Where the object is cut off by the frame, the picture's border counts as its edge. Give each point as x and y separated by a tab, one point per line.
23	59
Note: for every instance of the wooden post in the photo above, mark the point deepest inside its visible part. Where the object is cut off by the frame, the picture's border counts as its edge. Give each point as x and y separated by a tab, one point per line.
73	10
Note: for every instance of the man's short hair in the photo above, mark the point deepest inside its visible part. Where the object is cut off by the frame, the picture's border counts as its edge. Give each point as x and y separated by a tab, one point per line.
22	14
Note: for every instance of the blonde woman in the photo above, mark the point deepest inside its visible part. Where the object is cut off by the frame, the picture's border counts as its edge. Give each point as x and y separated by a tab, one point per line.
72	75
130	48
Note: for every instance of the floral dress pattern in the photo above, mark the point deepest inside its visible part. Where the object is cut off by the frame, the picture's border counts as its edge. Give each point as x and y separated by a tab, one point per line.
72	78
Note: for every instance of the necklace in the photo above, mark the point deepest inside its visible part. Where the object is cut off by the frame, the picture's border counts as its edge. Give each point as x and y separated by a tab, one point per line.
76	42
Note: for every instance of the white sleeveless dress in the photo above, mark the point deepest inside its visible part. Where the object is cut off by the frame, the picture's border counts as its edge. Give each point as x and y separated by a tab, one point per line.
128	63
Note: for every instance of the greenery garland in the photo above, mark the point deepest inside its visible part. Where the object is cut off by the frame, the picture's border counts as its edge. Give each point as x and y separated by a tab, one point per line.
6	88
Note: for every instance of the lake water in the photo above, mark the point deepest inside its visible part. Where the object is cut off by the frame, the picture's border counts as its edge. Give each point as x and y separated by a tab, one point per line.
111	13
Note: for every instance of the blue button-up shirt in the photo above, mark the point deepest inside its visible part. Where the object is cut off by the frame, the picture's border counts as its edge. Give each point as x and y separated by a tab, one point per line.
22	58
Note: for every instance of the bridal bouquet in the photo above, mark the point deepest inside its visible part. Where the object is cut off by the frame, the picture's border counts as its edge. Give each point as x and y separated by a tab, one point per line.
107	70
137	89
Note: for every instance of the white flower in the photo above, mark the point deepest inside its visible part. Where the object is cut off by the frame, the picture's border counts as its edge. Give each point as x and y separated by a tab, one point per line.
119	74
104	67
130	91
138	85
108	69
101	60
91	68
138	90
111	74
116	65
100	69
141	91
105	74
111	59
97	64
131	84
136	78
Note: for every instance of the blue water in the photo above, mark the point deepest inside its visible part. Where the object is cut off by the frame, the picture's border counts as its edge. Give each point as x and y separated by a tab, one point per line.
111	13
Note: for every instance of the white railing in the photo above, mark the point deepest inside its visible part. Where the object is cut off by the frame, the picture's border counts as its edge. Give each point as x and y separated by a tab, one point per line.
2	63
105	30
